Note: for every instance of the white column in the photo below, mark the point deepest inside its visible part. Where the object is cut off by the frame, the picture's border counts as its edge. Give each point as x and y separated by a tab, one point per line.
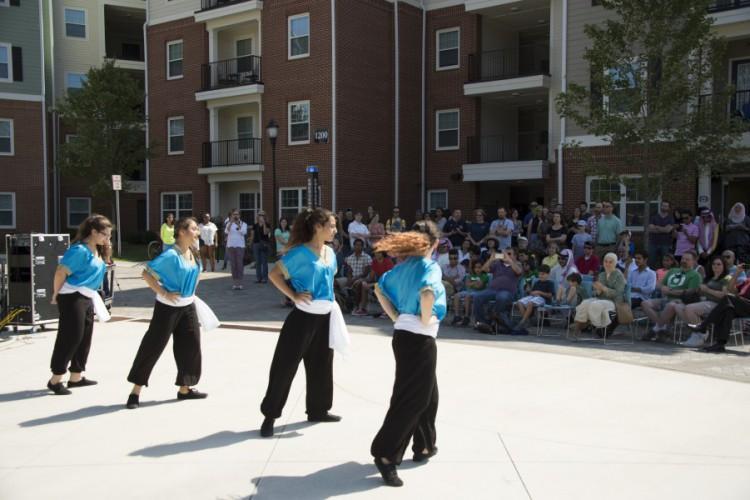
213	117
704	190
214	197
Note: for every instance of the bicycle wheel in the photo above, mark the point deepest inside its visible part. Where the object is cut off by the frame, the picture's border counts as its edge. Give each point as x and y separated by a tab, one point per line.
154	249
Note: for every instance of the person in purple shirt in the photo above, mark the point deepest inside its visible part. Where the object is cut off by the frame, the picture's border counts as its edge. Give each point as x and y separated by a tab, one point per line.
685	234
506	271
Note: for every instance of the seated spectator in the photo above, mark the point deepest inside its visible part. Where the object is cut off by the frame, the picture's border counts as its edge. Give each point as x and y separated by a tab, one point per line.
685	234
502	228
542	292
395	224
440	219
730	262
505	270
559	274
737	232
490	250
713	289
625	262
357	230
625	245
441	254
463	252
473	284
609	289
479	229
589	264
677	287
642	280
453	274
381	264
668	262
556	232
576	293
579	239
376	228
523	243
529	273
339	252
358	268
552	255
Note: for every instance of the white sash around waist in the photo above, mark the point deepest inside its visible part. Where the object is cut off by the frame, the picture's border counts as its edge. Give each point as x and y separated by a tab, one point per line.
206	316
99	308
338	335
413	323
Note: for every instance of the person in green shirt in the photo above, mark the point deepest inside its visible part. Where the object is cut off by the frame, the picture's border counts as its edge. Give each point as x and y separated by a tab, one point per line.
608	228
167	232
677	287
474	283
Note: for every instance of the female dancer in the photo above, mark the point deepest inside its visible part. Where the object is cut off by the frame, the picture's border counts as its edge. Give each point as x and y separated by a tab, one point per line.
75	291
173	276
413	296
314	327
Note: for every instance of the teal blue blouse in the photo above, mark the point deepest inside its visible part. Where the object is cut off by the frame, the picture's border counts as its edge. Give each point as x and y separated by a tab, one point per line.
85	268
310	273
403	284
175	273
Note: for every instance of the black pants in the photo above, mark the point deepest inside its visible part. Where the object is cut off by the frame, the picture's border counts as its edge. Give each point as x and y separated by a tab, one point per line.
75	328
721	316
186	344
304	336
414	401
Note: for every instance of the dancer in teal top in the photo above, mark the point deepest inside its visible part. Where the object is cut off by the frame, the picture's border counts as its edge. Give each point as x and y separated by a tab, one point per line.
413	296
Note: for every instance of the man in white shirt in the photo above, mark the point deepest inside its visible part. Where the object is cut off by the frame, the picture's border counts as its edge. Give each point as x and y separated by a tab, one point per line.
502	229
358	231
208	242
236	232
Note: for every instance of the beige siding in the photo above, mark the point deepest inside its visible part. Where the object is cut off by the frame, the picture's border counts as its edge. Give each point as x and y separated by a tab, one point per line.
172	9
228	120
227	40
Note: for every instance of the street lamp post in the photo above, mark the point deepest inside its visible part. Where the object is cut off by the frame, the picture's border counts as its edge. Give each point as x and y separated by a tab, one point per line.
272	130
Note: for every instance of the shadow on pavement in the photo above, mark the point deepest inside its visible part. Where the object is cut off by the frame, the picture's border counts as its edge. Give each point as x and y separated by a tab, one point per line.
342	479
90	411
18	396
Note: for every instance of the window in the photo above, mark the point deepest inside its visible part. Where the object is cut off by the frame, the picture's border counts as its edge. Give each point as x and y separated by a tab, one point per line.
75	23
446	130
6	63
176	132
74	81
249	206
627	81
626	196
174	60
244	49
6	137
447	41
293	200
179	204
299	122
7	210
299	36
437	198
78	210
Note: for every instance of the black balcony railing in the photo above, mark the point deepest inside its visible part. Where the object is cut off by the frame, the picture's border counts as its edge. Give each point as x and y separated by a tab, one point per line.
521	146
235	72
215	4
526	60
724	5
232	153
736	104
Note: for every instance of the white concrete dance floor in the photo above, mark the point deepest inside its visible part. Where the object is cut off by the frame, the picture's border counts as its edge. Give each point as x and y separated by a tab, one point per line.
511	425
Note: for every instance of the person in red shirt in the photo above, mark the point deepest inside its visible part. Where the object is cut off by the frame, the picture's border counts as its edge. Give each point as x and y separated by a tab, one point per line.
588	263
380	264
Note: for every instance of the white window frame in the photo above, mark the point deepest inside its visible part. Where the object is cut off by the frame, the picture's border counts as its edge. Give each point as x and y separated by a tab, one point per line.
644	76
69	212
437	49
300	206
176	210
169	135
12	138
85	24
438	147
435	191
289	123
68	74
181	75
623	202
13	209
289	36
9	48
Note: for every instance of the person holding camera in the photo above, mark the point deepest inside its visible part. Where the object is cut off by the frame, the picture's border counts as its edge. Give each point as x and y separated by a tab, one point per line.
260	236
236	231
685	234
505	270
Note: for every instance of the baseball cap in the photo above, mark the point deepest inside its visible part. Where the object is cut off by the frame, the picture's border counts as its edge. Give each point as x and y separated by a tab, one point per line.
581	223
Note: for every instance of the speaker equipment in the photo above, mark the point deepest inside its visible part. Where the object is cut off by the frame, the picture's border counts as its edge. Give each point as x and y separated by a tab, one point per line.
32	260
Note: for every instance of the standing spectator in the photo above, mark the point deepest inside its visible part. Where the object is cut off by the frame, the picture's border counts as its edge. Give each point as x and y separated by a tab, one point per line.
376	228
440	219
479	229
453	274
660	229
455	228
579	239
378	267
642	280
533	228
348	219
530	214
208	241
281	236
737	233
395	224
556	232
505	270
686	235
585	212
338	251
167	233
473	284
491	249
608	228
502	228
260	236
226	240
357	230
358	268
588	264
592	223
369	215
572	226
517	227
708	236
236	231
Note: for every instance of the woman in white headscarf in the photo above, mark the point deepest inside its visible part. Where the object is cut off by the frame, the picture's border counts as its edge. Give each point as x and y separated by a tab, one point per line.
559	274
608	290
737	232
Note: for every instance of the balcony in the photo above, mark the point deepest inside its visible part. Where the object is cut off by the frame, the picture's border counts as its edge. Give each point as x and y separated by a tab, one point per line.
234	153
230	78
216	4
123	40
218	10
725	5
515	156
509	70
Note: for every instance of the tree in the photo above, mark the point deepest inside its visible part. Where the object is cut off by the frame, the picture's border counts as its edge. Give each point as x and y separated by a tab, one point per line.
658	94
108	116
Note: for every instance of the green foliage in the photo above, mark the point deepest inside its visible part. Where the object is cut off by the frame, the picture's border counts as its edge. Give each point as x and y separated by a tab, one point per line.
107	115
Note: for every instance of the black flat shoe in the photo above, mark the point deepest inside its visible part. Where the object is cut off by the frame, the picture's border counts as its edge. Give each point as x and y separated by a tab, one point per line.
389	474
422	457
59	389
266	430
82	383
716	348
327	417
191	394
133	402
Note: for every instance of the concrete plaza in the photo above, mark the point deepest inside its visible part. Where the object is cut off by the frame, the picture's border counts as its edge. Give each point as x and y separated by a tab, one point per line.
518	418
